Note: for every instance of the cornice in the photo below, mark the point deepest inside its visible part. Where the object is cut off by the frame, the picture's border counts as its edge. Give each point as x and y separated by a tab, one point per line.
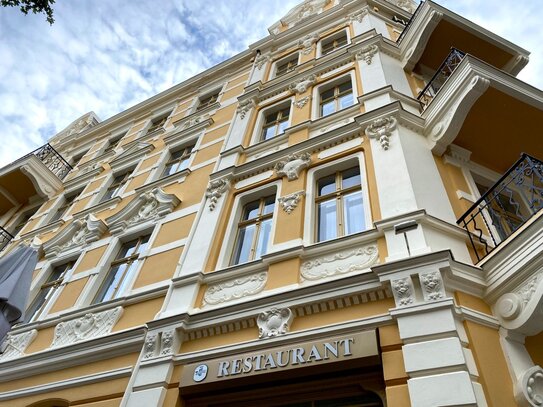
82	178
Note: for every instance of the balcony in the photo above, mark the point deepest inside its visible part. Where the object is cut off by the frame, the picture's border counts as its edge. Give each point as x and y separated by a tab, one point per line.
445	70
505	207
5	238
38	174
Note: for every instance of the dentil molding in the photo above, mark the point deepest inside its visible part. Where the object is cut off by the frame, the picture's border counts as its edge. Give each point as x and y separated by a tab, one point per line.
344	262
234	289
87	327
274	322
215	190
293	165
381	130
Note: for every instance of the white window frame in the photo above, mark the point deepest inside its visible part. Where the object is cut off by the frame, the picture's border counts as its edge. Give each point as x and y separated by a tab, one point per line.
100	272
314	174
261	118
165	155
109	180
331	37
230	235
279	61
322	87
202	94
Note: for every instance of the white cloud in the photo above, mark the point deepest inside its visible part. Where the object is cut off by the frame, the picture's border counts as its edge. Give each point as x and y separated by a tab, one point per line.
107	56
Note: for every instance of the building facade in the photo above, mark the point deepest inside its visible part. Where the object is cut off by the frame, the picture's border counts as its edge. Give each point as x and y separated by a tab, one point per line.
347	214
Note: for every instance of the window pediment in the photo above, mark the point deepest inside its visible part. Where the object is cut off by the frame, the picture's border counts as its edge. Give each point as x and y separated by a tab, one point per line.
131	153
79	233
147	206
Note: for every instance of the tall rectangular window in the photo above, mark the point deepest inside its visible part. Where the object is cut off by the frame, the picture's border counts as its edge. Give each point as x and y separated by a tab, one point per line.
158	123
112	143
275	123
52	283
339	202
115	187
331	44
336	98
254	230
121	269
286	66
208	100
179	161
63	209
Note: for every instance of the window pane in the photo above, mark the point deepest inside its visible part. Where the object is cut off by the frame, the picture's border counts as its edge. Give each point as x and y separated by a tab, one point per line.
345	87
127	249
183	164
285	113
268	133
251	210
110	282
327	214
346	101
263	238
329	94
244	241
170	169
272	117
282	127
269	204
126	277
351	178
37	303
144	243
354	213
328	108
326	185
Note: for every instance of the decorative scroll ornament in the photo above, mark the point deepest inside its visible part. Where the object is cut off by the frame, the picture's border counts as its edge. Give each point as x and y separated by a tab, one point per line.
80	232
16	345
305	10
292	165
340	263
510	305
234	289
150	346
302	102
261	60
359	15
432	284
290	202
367	53
303	84
403	291
381	129
407	5
87	327
274	322
148	206
530	387
215	190
245	106
307	43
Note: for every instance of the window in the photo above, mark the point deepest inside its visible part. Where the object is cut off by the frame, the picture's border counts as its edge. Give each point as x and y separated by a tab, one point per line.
206	101
122	268
336	98
339	204
63	209
51	284
179	161
275	123
158	123
254	230
115	187
22	221
331	44
286	66
113	142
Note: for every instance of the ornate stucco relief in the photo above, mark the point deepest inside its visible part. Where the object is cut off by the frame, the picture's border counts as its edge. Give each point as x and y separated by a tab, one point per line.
307	43
215	190
234	289
300	103
381	129
274	322
345	262
366	54
432	286
290	202
87	327
16	345
403	291
293	165
245	106
302	85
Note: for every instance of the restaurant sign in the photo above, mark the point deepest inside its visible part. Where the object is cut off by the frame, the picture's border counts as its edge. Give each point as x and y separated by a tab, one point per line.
286	357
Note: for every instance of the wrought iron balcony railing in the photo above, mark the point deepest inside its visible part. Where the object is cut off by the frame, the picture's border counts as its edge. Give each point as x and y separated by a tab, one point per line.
506	206
402	35
52	160
440	77
5	238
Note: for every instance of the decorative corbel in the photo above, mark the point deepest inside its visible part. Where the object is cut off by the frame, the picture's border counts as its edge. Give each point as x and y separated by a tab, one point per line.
381	129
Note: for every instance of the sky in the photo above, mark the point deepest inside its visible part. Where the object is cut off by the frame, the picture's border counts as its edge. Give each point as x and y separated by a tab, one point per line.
108	55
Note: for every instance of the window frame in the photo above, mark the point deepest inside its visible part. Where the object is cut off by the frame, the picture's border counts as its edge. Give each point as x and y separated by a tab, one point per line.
240	200
261	120
316	173
126	173
323	87
168	159
202	102
63	203
275	65
330	38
